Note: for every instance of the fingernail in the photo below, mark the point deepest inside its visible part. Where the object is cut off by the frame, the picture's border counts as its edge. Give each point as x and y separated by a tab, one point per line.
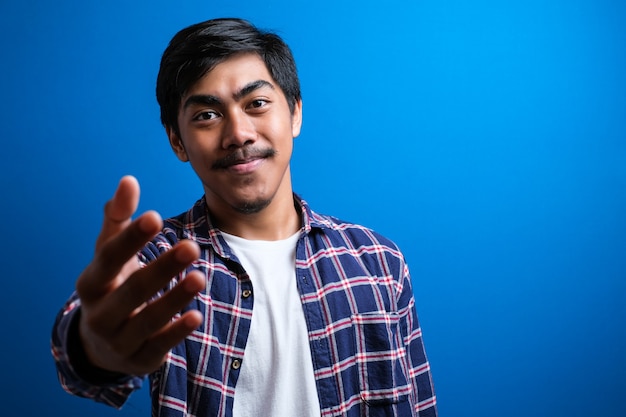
146	224
143	224
192	285
183	255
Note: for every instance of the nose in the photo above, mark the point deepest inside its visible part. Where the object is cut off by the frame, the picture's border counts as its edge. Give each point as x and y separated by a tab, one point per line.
239	130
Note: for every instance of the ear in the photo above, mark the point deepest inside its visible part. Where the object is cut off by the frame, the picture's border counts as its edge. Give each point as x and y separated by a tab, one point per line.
177	144
296	119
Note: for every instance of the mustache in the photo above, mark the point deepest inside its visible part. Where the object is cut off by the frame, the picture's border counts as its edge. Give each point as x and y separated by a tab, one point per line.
242	155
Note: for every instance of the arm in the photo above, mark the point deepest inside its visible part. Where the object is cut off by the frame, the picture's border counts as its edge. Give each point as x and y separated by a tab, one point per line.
109	332
76	375
418	366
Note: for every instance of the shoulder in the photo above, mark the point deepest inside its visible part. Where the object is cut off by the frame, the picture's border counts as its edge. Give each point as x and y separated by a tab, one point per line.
345	233
341	232
354	249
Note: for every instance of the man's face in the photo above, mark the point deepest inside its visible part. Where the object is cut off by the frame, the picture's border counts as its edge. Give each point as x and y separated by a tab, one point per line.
236	130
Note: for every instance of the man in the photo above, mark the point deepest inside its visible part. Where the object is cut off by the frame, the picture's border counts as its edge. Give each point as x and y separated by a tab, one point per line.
273	309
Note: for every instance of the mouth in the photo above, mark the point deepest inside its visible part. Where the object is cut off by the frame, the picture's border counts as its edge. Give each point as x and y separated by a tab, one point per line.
243	160
245	166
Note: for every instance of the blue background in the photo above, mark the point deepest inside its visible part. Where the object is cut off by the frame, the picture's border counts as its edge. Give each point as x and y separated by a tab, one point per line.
487	138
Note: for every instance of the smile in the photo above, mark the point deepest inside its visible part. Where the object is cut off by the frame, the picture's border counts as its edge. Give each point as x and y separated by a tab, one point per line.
246	166
244	160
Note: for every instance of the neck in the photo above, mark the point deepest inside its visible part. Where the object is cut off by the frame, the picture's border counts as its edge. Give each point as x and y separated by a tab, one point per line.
279	220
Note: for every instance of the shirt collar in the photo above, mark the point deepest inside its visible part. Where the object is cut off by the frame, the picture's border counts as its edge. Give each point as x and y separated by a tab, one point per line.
198	225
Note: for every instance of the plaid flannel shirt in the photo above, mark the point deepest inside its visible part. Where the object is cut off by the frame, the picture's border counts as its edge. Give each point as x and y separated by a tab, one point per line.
365	340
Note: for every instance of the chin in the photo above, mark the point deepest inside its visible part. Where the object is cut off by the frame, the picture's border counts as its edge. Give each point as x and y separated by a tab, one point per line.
252	206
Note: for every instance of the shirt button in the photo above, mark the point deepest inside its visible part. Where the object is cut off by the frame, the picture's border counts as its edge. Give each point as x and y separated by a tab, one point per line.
246	293
236	364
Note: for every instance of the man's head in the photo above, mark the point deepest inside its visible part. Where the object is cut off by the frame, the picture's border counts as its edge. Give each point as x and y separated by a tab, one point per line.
231	107
195	50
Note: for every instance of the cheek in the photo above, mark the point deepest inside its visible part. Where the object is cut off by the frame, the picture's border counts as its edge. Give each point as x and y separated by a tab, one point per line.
282	134
200	156
281	137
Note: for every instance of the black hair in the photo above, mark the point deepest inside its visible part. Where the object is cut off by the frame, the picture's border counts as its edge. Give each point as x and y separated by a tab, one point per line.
197	49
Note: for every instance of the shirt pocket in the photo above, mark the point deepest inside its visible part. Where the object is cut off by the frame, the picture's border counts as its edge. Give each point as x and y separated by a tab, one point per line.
380	358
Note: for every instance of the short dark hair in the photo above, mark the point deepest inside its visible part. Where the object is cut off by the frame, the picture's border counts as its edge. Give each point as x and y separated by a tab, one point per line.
197	49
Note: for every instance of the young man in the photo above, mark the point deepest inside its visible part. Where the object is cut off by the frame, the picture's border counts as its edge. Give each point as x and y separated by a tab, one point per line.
273	309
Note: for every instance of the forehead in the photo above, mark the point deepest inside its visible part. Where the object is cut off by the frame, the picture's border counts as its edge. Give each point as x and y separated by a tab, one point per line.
232	74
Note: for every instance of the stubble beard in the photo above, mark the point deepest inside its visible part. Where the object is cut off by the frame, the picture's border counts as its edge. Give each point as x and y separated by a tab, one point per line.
252	207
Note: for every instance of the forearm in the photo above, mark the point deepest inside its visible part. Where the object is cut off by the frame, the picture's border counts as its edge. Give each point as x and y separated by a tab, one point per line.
76	375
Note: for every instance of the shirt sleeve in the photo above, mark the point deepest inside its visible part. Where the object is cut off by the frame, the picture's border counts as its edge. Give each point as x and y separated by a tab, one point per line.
418	365
76	375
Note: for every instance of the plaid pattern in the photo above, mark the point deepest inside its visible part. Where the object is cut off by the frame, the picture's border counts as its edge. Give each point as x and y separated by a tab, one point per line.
365	340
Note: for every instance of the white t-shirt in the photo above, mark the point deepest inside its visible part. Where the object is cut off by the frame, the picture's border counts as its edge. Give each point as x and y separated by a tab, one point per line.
276	376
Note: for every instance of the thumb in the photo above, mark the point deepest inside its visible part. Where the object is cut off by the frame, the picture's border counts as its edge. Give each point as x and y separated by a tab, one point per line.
119	210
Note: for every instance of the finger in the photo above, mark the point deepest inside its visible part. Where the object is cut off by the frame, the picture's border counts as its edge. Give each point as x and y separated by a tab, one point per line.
141	287
152	319
99	278
119	210
153	353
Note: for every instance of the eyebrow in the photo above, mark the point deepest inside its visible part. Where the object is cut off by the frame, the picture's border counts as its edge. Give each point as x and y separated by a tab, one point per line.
250	87
211	100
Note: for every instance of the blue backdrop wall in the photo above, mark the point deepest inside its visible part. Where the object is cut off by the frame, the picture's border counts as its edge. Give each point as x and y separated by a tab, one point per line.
487	138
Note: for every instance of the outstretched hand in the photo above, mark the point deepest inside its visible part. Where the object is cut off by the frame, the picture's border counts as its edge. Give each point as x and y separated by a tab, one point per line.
119	329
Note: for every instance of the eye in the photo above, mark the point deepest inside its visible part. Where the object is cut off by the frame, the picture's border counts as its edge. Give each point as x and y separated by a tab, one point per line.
206	115
258	103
